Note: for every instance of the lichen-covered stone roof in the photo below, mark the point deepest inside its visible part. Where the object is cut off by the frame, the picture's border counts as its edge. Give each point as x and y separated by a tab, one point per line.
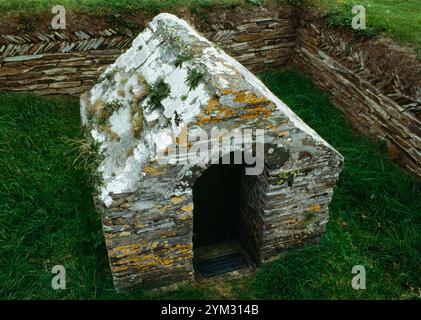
170	78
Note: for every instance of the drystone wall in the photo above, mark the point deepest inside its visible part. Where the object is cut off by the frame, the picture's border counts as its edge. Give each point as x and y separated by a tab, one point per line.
145	104
58	62
261	39
375	83
69	62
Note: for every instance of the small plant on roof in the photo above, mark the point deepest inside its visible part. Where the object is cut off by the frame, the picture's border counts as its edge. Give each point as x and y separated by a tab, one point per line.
158	92
181	58
194	76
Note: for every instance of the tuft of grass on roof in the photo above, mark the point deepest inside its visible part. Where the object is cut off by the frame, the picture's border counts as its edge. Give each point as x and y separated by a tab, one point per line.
158	92
194	76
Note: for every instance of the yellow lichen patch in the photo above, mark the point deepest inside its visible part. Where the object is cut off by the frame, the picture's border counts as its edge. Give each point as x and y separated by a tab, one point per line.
124	234
314	208
259	112
204	120
118	269
138	221
226	112
291	221
213	104
228	91
214	112
187	208
132	259
283	134
183	247
162	208
177	199
124	206
124	250
147	261
152	171
249	98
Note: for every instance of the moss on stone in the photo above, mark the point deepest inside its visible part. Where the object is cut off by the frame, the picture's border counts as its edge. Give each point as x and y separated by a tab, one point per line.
287	176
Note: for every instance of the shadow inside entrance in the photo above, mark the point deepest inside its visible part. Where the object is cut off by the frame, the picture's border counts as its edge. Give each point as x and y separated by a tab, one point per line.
217	223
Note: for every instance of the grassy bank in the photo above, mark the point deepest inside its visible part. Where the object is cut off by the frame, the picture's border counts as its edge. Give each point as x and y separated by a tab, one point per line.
47	216
399	19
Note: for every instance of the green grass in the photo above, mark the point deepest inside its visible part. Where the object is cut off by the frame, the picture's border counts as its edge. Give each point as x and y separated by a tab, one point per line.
110	6
400	19
47	215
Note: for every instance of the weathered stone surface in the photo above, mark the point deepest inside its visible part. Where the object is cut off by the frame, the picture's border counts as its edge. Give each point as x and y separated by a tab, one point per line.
172	82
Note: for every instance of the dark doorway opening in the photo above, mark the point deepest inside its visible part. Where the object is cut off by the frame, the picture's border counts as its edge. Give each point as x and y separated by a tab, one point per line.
217	221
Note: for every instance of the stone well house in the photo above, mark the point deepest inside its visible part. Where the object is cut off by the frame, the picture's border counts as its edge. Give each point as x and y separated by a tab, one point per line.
176	220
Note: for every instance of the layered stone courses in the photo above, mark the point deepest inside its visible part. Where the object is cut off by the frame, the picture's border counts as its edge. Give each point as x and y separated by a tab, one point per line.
377	86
